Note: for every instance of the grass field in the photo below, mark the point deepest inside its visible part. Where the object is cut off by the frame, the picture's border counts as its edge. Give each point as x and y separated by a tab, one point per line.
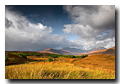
40	67
53	70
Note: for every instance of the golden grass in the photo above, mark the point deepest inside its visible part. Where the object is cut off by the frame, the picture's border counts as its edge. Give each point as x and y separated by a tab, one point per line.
54	70
92	67
104	62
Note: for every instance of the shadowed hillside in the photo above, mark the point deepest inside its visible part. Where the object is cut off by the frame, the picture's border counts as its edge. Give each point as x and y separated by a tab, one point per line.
14	59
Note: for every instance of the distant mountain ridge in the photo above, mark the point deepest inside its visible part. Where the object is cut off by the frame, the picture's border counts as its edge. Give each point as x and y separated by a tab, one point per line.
74	50
96	49
58	51
83	51
70	51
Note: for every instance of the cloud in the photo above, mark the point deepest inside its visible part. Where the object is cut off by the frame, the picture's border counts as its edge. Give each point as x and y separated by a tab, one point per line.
97	16
8	23
95	26
92	23
21	34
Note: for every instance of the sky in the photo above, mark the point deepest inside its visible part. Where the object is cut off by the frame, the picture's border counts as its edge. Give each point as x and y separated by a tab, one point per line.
38	27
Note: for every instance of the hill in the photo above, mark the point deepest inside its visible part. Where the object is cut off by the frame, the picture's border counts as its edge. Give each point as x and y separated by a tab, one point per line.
75	50
96	49
82	51
17	59
98	61
110	51
58	51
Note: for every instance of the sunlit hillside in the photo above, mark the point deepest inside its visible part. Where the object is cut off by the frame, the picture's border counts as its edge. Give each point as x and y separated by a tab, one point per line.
109	51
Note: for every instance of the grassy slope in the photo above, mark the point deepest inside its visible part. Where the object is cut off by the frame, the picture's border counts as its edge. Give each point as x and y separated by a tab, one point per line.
18	60
98	61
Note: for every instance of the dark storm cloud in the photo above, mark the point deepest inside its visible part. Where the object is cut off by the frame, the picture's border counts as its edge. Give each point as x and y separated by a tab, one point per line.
20	22
91	22
94	15
8	23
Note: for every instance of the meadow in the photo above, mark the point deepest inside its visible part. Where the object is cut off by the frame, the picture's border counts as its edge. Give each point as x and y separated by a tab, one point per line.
54	71
47	66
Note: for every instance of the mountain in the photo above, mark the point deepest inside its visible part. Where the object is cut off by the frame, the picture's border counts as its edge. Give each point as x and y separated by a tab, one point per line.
82	51
58	51
75	50
96	49
109	51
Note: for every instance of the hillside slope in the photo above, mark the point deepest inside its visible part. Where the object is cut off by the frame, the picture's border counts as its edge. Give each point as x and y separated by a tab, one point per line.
98	61
110	51
17	59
